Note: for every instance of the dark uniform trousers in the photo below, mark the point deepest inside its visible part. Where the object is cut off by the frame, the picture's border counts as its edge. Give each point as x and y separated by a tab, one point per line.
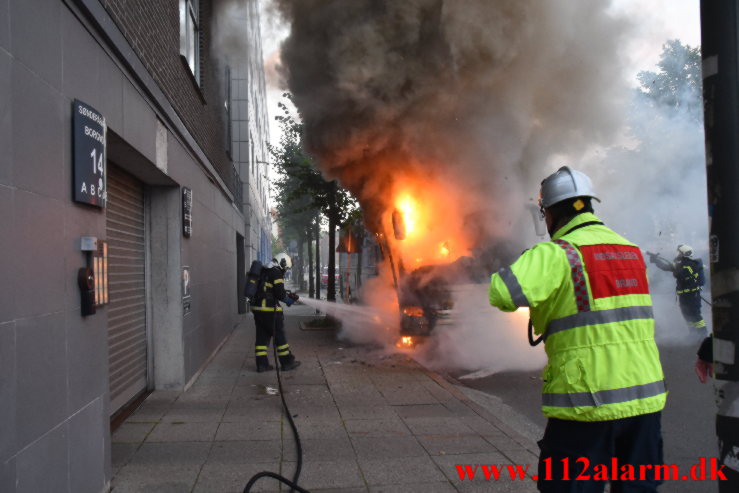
690	306
268	323
636	440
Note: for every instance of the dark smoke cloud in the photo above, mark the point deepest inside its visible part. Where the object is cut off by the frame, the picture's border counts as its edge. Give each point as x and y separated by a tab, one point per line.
480	95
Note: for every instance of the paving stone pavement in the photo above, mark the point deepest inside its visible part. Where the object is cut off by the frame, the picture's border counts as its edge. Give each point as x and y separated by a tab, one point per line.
368	422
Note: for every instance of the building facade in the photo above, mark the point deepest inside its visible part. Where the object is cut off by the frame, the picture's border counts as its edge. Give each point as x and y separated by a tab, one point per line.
249	126
128	215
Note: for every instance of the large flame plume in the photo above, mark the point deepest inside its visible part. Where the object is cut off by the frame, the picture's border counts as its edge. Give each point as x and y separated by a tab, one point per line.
427	214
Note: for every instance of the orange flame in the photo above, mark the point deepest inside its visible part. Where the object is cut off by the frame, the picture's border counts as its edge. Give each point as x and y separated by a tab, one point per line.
408	207
413	311
405	342
424	221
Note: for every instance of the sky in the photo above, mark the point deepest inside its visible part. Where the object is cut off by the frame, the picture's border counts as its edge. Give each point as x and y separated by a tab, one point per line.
654	23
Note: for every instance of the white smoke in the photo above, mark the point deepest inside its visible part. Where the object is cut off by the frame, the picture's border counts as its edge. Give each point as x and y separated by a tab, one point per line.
654	193
481	338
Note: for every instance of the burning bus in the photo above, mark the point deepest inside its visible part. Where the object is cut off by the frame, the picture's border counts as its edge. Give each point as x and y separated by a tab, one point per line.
423	255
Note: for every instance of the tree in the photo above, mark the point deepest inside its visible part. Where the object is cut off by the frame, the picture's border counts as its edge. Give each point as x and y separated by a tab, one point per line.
303	192
295	209
677	85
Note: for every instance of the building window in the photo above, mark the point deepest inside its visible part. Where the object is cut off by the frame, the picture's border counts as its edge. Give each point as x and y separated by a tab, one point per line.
190	35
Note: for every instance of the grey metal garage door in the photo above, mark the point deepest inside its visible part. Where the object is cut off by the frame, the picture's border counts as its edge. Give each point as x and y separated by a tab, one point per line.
127	339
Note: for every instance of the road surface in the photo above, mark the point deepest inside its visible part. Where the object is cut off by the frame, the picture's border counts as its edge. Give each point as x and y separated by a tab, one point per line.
688	419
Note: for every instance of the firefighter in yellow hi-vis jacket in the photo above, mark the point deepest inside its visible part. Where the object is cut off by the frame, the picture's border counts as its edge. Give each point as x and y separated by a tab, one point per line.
588	297
268	316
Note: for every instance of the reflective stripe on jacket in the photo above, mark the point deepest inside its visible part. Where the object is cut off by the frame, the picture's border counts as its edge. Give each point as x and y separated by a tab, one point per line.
272	292
689	275
588	294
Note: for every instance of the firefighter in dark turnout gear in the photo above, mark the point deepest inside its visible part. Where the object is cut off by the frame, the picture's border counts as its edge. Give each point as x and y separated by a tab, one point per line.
268	316
689	278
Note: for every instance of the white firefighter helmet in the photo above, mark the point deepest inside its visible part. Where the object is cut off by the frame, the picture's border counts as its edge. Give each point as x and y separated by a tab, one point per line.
284	256
685	250
564	184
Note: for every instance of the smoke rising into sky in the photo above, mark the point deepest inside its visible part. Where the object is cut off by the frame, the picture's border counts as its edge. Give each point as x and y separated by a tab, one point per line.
477	94
487	98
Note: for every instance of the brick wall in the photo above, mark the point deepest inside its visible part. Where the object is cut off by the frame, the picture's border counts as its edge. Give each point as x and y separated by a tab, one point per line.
153	30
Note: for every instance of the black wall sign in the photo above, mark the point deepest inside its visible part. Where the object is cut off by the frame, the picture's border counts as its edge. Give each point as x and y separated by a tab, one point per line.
186	212
89	155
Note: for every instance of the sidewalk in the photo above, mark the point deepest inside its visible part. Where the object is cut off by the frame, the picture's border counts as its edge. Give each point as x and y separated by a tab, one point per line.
367	423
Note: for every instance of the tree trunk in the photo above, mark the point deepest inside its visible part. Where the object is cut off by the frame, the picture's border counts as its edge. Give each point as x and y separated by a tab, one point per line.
332	220
340	267
311	286
360	254
300	263
318	256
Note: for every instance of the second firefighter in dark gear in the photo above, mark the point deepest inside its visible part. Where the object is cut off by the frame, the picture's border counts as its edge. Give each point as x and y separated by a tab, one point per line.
268	315
689	278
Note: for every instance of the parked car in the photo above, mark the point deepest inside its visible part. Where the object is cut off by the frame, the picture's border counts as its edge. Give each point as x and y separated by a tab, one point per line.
324	278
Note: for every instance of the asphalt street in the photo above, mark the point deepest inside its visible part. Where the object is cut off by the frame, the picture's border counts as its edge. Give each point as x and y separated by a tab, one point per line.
688	419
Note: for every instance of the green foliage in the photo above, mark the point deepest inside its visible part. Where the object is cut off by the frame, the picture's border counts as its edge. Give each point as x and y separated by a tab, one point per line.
294	168
277	245
301	189
677	85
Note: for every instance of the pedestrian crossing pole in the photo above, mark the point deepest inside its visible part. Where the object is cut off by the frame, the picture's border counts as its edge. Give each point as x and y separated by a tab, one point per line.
719	46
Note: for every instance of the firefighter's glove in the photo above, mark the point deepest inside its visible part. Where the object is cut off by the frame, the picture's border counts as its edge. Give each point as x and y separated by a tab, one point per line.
294	296
652	257
703	369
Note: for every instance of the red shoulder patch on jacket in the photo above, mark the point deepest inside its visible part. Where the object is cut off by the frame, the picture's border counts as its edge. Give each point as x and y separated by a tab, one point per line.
615	270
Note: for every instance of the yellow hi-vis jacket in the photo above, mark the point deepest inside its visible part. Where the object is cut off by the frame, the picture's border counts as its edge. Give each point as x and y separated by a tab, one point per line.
587	292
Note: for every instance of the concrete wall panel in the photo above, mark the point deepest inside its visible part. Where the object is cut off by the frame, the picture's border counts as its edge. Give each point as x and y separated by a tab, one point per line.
166	290
87	347
37	135
38	253
139	123
44	465
8	392
7	241
80	67
6	143
36	37
4	25
87	449
41	367
7	475
111	93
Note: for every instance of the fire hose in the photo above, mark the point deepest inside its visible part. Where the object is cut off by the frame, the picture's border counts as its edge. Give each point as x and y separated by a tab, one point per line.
532	341
294	483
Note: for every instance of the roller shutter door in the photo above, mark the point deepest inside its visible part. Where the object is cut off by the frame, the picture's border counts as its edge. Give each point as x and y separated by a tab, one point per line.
127	338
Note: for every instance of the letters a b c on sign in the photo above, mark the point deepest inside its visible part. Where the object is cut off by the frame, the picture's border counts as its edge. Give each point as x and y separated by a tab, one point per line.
89	159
